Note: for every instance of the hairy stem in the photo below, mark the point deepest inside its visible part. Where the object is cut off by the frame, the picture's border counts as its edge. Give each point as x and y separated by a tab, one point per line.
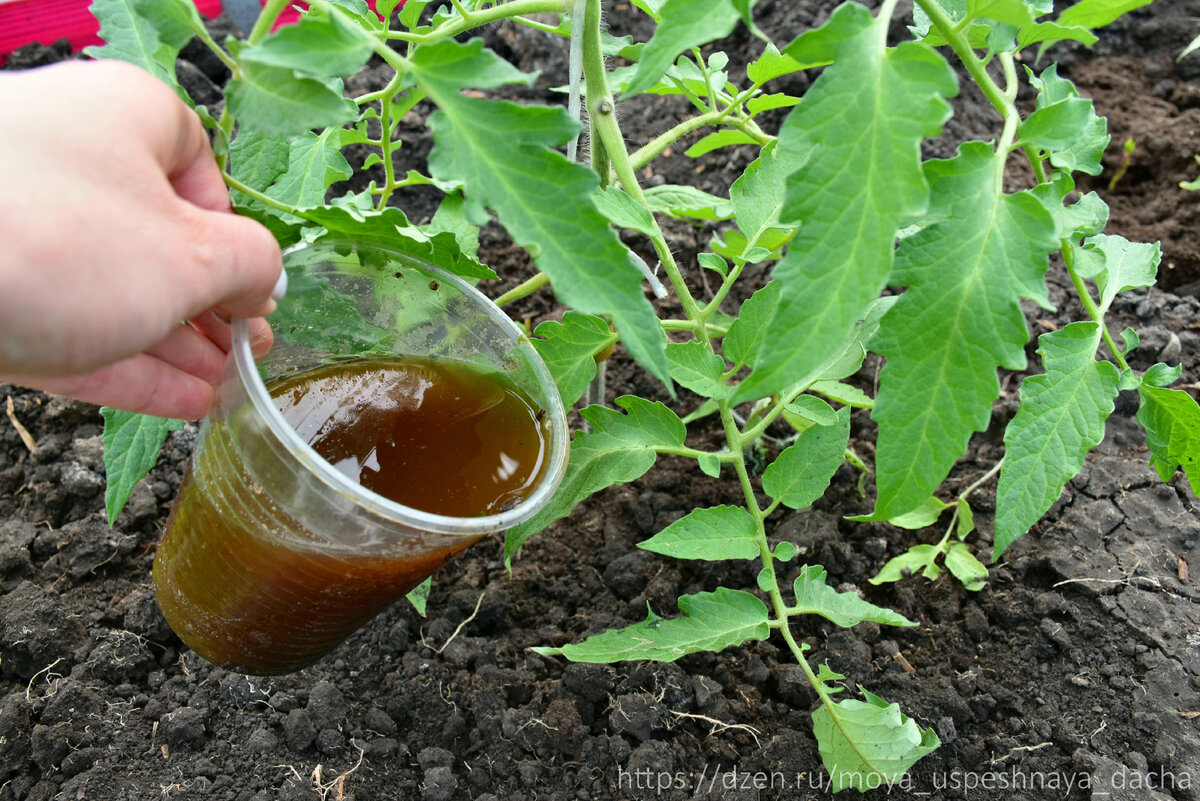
485	16
524	289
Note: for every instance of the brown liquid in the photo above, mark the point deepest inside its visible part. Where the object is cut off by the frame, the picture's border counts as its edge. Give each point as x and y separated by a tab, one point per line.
242	581
433	435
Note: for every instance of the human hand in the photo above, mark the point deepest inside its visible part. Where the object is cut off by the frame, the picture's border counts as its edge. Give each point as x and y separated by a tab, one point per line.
116	226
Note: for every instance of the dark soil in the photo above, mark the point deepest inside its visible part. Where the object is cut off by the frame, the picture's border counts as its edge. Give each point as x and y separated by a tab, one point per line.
1074	674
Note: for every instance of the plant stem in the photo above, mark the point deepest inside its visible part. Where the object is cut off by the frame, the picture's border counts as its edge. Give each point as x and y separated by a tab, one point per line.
524	289
266	200
475	19
266	20
1089	304
648	152
962	48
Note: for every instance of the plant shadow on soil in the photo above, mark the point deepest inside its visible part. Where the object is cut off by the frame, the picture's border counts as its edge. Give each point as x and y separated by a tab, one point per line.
1073	674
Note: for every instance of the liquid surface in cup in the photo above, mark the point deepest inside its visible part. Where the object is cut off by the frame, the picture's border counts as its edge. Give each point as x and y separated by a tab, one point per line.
434	435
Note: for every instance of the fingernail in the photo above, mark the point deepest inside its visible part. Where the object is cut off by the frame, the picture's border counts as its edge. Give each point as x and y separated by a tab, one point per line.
280	286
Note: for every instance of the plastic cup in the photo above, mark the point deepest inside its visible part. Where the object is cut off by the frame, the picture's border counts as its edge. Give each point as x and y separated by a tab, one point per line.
271	556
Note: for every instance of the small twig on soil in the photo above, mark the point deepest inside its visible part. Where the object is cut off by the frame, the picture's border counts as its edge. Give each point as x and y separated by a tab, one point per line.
1037	747
338	784
464	623
720	726
33	678
22	431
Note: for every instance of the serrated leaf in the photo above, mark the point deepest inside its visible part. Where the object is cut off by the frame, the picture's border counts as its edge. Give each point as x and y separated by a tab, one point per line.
683	24
1171	419
1093	14
504	155
959	320
801	473
1127	265
620	448
257	160
129	36
771	64
687	202
274	100
715	533
814	596
1065	124
569	349
695	366
315	162
963	565
319	45
866	744
1060	419
750	329
624	212
917	558
390	227
860	127
131	446
418	596
713	621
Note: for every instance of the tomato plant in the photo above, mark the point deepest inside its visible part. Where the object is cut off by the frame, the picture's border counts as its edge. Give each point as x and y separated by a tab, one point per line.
838	200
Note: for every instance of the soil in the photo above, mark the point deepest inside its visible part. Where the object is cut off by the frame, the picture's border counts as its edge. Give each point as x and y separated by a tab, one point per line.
1074	674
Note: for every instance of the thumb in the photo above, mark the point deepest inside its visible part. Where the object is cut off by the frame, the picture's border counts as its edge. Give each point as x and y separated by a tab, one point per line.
245	266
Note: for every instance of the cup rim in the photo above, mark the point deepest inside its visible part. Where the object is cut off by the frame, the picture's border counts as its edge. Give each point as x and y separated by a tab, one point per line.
556	458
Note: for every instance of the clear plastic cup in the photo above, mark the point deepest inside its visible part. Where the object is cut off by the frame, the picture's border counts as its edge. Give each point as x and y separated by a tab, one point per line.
272	556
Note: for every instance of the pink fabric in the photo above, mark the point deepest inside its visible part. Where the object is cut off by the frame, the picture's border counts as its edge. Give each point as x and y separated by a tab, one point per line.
23	22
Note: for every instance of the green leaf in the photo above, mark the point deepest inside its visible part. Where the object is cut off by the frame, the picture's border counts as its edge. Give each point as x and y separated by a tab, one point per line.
812	409
854	350
785	551
686	201
684	24
771	64
621	448
800	474
1060	419
131	446
624	212
713	621
860	126
815	597
569	349
504	155
175	21
319	45
923	516
696	367
710	464
274	100
918	557
129	36
711	261
963	565
390	228
959	320
1127	265
758	194
1093	14
750	329
1065	124
314	163
1162	375
717	140
719	532
866	744
418	596
843	393
1171	419
258	160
